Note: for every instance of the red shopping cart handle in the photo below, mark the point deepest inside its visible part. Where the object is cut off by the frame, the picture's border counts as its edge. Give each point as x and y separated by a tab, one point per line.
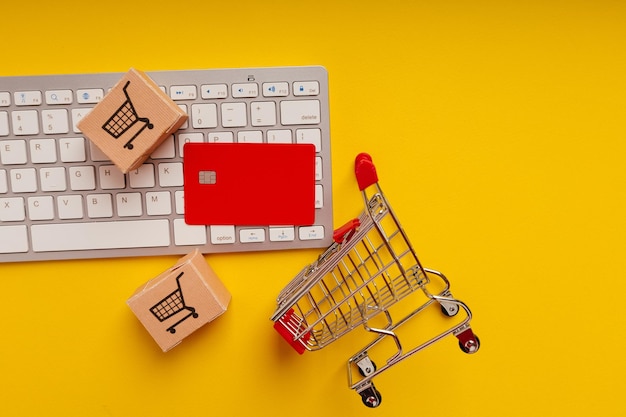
290	328
346	231
365	171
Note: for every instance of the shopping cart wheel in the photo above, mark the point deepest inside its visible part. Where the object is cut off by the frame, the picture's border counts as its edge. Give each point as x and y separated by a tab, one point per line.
367	369
470	346
449	310
371	397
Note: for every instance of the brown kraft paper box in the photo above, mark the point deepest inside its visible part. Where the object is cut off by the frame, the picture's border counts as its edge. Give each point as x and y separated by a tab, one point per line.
180	300
132	120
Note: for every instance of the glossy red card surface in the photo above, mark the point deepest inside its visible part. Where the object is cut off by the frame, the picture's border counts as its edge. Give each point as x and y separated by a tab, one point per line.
249	184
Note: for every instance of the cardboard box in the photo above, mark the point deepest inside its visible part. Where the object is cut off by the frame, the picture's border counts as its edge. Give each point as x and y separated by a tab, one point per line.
180	300
132	120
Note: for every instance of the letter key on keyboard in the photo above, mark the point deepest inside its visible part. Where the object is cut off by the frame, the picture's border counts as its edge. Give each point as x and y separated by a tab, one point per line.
61	198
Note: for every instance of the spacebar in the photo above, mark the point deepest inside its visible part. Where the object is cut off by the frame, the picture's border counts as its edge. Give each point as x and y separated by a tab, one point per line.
101	235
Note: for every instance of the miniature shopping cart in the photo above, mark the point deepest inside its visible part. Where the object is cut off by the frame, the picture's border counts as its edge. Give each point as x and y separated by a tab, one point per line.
172	304
357	281
124	118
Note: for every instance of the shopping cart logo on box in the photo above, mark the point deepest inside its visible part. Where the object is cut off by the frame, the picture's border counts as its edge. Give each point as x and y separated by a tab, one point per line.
124	118
359	281
171	305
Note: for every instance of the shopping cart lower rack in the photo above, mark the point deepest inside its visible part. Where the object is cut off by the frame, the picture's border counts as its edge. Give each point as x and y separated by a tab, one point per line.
369	268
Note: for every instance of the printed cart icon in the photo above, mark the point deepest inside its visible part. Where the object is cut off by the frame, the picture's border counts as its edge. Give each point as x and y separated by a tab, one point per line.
170	305
359	281
124	118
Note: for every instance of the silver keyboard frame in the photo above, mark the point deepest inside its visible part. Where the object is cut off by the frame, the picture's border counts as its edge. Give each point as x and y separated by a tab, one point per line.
323	216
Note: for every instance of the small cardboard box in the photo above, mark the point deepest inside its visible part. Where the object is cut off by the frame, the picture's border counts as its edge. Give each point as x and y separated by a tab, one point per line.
132	120
180	300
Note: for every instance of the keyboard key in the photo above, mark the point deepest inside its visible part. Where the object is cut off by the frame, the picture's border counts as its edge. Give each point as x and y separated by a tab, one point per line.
185	125
263	113
82	178
306	88
12	209
77	115
185	234
27	98
250	136
13	152
158	203
99	206
318	168
234	115
252	235
41	207
319	196
221	235
301	112
245	90
72	149
142	177
70	207
313	136
171	174
282	234
4	123
209	91
43	151
183	92
188	138
4	186
204	115
166	150
279	136
57	97
129	204
23	180
111	178
89	95
110	235
279	89
311	232
96	154
179	200
221	137
55	121
25	122
5	99
52	179
13	239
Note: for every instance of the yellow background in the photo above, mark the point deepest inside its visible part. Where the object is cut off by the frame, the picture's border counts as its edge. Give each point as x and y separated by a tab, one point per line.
497	128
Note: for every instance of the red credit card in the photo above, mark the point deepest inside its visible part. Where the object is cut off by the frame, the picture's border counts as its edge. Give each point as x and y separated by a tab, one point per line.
249	184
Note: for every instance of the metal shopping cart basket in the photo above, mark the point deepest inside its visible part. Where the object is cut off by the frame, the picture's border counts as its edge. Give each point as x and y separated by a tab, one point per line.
124	118
369	268
172	304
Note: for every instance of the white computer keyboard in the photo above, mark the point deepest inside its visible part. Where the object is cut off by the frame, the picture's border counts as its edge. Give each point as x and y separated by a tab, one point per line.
61	198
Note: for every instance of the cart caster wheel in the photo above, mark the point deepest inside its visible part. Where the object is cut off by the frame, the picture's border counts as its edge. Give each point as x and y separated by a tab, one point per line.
194	315
150	125
371	397
366	366
172	331
470	346
129	147
369	370
450	310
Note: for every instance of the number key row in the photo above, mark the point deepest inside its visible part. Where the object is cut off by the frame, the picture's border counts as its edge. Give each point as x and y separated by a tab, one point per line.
27	122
